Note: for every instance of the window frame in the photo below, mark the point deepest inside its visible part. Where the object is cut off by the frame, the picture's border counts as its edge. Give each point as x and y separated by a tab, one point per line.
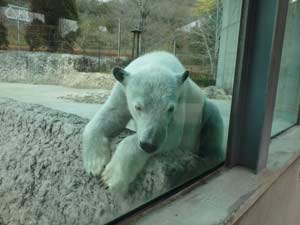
298	120
256	65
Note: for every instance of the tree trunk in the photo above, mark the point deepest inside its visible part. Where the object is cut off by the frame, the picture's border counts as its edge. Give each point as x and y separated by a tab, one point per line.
210	55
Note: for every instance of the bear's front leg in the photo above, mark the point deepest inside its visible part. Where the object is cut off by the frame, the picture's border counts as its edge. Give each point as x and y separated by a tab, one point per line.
108	122
126	163
96	151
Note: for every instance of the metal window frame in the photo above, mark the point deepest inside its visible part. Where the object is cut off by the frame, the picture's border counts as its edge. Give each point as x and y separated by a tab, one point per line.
256	80
298	120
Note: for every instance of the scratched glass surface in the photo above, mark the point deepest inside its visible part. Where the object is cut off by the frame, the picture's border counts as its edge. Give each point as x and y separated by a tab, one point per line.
106	105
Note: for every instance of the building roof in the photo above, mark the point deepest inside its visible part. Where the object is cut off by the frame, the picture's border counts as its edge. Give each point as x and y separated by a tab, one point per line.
190	26
19	13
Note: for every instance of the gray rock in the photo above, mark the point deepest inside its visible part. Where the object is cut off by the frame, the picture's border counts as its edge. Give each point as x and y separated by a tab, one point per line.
214	92
42	180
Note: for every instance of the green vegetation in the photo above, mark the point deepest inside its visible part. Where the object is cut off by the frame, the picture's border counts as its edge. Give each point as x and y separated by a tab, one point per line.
3	3
161	24
3	37
34	34
191	29
3	30
47	33
205	39
157	19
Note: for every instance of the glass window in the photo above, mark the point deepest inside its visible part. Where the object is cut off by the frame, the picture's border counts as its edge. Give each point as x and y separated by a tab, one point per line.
288	93
168	67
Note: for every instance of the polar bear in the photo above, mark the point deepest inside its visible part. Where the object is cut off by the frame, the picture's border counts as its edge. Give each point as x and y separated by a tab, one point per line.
169	111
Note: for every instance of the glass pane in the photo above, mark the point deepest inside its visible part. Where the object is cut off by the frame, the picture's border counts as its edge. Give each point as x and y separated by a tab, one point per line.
288	93
161	126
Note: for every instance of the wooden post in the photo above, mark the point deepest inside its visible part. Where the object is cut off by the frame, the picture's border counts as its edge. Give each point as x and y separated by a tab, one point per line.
174	46
136	43
119	38
133	46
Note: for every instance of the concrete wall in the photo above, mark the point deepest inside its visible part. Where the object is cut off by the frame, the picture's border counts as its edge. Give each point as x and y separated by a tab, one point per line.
280	205
228	43
45	67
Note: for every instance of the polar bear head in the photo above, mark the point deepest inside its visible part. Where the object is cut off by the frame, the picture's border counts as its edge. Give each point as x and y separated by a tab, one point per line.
153	96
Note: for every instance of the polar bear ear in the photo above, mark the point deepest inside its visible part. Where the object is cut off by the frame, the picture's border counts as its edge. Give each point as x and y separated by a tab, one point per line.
120	74
183	77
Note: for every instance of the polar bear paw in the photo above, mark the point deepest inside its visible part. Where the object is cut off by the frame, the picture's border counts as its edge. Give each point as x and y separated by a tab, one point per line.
95	165
114	178
95	161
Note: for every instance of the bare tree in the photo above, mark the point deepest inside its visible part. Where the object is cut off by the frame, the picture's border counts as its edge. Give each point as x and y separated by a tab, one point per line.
208	32
157	20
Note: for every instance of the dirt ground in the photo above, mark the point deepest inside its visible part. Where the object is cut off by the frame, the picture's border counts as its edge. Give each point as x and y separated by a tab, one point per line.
53	96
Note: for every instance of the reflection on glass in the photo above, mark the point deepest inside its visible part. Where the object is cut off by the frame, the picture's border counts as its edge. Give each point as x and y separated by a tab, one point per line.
156	121
288	93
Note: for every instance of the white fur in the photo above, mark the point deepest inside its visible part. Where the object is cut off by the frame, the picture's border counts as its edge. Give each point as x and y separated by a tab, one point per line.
154	82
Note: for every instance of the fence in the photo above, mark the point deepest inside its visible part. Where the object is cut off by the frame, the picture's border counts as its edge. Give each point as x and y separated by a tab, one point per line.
37	37
30	37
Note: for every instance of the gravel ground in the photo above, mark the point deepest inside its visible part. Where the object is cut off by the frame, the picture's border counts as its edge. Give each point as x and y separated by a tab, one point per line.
91	98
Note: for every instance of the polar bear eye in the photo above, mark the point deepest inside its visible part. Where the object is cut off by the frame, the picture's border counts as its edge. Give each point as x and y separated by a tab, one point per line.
171	109
138	108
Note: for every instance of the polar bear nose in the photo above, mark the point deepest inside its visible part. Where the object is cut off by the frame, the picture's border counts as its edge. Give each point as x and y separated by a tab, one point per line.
149	148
